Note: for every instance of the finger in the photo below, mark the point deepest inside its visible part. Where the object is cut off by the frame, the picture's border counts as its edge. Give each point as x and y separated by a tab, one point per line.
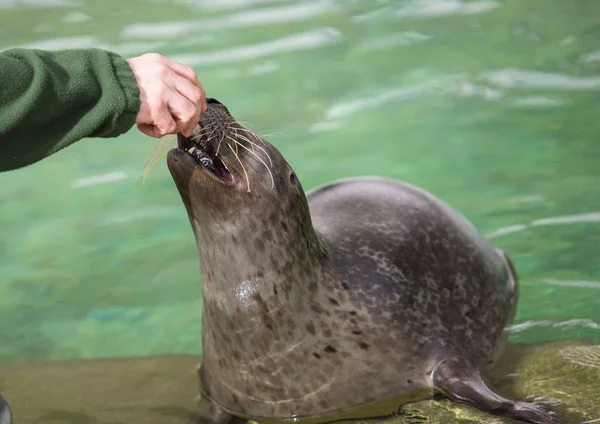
191	75
192	92
147	129
189	130
194	95
184	111
184	127
186	131
203	100
186	72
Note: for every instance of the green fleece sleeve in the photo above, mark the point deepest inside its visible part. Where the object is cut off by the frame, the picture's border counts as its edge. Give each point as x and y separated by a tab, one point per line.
49	100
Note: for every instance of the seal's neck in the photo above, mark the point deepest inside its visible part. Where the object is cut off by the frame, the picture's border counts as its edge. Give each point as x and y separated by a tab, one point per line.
268	258
260	273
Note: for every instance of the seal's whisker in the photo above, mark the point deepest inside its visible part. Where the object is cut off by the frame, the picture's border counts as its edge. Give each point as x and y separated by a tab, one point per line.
209	139
158	151
246	130
245	123
209	129
230	128
160	145
152	155
151	165
270	134
197	137
202	133
262	134
233	128
243	167
257	157
243	137
219	145
251	133
210	136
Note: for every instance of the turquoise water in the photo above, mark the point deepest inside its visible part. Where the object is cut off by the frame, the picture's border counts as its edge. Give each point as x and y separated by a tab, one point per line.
491	105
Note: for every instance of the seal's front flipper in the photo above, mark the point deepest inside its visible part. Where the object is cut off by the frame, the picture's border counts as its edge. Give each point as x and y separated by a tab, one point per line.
211	413
5	414
460	381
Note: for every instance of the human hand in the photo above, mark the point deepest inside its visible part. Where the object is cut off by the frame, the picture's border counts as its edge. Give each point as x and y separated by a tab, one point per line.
172	97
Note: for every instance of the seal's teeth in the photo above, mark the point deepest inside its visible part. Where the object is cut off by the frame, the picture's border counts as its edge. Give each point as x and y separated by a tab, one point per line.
191	150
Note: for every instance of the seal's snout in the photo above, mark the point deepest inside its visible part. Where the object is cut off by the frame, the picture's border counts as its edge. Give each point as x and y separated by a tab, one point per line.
200	147
203	153
211	100
222	148
181	140
213	104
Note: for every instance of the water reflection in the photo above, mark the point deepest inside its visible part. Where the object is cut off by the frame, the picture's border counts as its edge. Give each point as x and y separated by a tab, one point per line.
428	9
439	8
540	101
263	68
308	40
111	177
520	78
554	220
394	40
389	95
528	325
38	4
133	216
74	42
571	283
228	4
303	11
590	58
84	42
506	230
76	18
326	126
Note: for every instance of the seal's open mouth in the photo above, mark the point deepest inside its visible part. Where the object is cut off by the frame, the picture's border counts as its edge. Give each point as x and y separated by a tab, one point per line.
205	156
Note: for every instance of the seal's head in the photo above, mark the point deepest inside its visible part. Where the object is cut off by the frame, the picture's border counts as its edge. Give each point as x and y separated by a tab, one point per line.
224	170
237	187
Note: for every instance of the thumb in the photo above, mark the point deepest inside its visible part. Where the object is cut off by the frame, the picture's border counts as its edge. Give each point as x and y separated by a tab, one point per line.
147	129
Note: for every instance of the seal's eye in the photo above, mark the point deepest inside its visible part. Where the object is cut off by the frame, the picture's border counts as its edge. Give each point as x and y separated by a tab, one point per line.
293	179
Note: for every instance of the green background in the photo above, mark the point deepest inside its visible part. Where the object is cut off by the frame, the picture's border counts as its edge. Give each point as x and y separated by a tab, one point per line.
491	105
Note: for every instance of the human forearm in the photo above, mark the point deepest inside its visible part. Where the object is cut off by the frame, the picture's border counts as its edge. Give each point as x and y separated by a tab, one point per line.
49	100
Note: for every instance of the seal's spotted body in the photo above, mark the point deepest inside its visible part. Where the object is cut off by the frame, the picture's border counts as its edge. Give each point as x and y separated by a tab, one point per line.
362	291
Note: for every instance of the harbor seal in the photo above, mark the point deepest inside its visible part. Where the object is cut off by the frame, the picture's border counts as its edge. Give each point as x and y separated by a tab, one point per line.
345	302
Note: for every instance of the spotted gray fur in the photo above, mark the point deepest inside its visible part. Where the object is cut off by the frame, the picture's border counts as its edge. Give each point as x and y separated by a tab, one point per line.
318	304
